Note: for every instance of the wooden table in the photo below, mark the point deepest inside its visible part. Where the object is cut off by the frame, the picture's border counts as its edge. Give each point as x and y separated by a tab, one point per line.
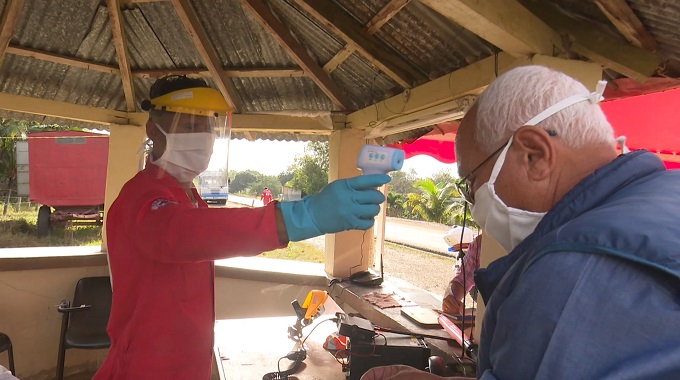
248	348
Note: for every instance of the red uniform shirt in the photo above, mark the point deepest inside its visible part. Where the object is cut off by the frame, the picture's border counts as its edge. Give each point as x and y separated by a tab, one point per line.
161	249
266	196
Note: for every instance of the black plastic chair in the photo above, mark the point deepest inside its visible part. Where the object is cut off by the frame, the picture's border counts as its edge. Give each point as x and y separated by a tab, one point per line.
6	345
83	325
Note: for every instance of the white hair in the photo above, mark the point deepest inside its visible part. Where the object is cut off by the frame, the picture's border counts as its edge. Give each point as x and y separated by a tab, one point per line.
522	93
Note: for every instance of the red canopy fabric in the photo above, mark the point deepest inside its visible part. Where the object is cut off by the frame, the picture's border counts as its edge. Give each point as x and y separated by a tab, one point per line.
650	122
438	144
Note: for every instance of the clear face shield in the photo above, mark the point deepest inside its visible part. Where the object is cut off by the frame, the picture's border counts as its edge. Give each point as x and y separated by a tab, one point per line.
210	137
196	123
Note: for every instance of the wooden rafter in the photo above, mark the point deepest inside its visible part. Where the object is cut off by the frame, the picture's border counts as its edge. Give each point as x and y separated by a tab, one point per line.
284	72
8	22
56	58
207	52
297	52
120	43
504	23
104	116
340	23
233	73
383	16
591	43
338	58
629	25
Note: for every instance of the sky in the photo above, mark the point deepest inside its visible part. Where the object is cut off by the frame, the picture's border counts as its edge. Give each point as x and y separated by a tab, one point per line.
274	157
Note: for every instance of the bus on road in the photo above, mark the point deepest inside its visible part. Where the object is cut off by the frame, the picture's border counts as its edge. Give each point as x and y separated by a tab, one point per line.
213	187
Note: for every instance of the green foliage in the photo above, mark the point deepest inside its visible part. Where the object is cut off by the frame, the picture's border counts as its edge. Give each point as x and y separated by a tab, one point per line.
434	203
10	131
443	177
402	182
310	172
285	177
395	204
243	180
269	181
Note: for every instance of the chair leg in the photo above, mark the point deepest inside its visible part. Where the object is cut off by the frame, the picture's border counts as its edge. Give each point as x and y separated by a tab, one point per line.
10	355
60	362
62	347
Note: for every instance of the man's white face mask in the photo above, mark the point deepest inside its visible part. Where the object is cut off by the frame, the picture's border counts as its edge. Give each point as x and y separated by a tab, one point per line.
186	154
508	225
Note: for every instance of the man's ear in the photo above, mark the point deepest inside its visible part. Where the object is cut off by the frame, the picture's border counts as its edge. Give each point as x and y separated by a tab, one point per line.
538	151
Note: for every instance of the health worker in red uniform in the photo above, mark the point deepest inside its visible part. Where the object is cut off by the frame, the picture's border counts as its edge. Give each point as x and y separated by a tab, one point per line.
162	237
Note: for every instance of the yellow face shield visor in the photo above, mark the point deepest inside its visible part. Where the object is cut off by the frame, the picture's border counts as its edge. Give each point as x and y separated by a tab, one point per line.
201	101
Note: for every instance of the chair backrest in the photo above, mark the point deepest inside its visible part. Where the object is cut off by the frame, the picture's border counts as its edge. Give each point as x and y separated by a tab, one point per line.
94	291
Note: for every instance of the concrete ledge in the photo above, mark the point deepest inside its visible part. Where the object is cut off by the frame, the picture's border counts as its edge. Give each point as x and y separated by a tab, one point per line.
272	270
34	258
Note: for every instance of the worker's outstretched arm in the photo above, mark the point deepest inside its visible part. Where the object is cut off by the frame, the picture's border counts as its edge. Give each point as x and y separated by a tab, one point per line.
344	204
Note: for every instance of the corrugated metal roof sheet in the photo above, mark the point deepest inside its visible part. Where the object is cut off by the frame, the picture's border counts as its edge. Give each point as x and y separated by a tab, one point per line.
156	39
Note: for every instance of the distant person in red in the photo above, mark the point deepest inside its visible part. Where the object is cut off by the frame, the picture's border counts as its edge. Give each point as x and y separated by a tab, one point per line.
266	196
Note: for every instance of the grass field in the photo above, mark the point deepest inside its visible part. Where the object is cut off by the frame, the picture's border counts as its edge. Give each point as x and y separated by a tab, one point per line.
18	229
297	251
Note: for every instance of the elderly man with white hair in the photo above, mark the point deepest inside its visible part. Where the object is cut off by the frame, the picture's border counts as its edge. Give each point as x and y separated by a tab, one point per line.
590	288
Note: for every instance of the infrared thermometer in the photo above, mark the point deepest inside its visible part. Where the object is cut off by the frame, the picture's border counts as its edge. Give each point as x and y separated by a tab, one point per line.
374	159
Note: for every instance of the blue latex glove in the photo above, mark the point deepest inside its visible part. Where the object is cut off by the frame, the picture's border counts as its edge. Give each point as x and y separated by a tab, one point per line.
345	204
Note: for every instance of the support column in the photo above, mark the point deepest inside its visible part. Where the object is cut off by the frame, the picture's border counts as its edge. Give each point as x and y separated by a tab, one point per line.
123	163
349	251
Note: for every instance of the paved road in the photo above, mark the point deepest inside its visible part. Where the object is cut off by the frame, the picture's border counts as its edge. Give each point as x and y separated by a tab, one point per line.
421	235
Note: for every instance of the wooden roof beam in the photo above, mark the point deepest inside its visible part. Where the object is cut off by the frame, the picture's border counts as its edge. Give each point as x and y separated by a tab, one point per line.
232	73
62	59
104	116
339	22
628	24
597	46
120	43
431	96
8	21
297	52
284	72
383	16
207	52
504	23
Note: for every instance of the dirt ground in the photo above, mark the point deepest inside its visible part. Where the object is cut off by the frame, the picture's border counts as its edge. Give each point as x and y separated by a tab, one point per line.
425	270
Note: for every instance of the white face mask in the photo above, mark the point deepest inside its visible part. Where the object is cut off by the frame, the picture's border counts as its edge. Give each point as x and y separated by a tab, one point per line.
508	225
186	154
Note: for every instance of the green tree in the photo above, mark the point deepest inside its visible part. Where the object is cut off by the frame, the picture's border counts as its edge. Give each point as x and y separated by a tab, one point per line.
310	172
443	177
434	203
286	176
268	181
402	181
395	204
243	180
10	131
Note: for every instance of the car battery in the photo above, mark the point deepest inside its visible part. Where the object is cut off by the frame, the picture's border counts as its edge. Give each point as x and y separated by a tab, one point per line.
385	349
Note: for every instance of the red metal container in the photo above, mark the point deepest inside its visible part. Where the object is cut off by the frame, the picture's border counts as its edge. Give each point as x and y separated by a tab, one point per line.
67	168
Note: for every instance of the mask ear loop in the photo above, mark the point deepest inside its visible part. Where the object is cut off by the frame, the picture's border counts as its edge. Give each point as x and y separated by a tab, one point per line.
496	167
594	98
